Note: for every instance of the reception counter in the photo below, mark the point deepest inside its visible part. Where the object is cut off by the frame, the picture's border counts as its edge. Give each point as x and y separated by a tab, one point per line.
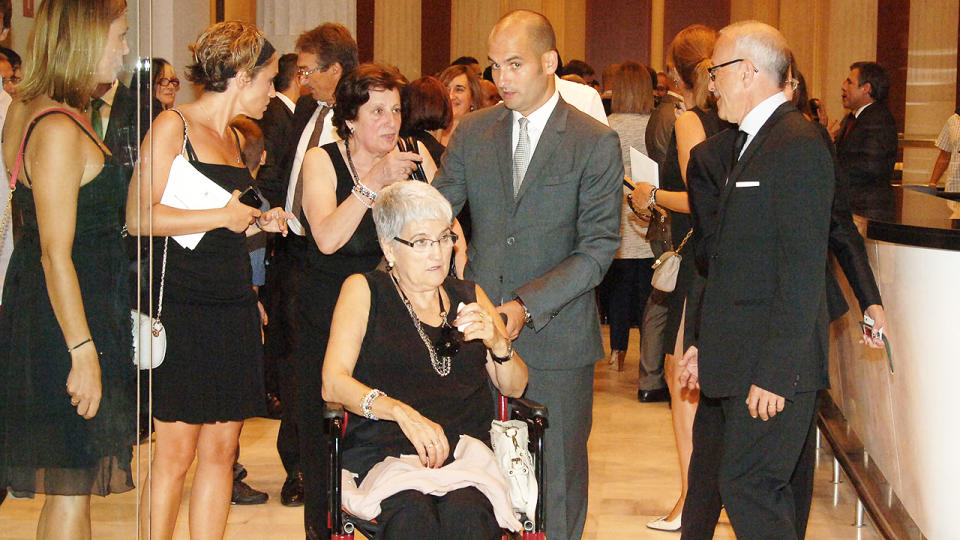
903	408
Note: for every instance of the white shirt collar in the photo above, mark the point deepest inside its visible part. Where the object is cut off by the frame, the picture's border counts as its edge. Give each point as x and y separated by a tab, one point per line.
287	101
110	94
538	118
674	94
758	116
856	113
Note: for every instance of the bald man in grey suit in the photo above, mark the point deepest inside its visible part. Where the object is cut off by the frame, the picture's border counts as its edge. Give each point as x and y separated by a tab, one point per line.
543	181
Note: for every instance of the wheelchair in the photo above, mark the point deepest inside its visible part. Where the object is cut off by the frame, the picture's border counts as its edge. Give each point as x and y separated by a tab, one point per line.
342	525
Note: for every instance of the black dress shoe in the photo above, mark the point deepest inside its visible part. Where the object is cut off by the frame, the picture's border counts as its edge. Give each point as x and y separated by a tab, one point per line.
244	494
291	494
653	396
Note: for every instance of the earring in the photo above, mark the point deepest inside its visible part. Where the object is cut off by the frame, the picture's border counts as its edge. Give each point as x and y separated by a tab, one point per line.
389	265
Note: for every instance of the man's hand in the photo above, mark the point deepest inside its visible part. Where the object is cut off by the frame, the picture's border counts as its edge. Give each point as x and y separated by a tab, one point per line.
764	404
515	318
875	312
690	369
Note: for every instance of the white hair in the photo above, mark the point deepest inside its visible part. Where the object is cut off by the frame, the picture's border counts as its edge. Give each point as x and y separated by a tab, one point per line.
405	202
763	45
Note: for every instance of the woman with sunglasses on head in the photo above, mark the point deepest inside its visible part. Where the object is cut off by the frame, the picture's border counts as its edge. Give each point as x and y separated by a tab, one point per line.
397	359
340	182
688	61
67	381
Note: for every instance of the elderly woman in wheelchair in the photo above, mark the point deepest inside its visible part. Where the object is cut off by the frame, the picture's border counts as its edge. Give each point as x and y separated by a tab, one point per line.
412	353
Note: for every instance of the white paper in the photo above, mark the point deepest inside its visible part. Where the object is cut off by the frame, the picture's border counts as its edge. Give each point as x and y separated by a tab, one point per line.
188	189
643	169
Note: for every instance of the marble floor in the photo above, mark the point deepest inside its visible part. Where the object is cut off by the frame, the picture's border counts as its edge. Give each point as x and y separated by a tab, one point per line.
633	479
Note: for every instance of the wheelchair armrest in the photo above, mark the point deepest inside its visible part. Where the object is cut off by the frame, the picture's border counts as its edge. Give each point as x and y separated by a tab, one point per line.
332	409
527	409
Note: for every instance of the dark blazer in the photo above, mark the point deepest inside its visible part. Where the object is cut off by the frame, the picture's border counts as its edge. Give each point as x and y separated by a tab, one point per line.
763	316
276	125
123	135
552	245
866	157
301	116
660	128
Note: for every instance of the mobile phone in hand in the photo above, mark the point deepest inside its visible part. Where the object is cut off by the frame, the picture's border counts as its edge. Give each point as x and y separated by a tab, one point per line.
252	197
409	144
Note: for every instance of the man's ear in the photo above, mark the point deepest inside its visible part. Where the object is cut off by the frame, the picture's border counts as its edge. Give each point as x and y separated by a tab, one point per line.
868	88
263	158
549	61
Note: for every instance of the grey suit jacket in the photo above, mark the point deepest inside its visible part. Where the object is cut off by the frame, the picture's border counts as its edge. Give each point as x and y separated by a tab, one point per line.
552	244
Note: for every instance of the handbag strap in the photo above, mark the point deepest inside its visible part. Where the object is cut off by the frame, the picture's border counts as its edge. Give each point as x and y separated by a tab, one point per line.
684	242
163	276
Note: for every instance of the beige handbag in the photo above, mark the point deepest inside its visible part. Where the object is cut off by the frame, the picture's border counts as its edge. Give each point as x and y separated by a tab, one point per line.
667	266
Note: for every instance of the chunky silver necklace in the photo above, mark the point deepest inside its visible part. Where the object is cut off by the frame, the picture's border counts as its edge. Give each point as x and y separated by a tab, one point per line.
441	364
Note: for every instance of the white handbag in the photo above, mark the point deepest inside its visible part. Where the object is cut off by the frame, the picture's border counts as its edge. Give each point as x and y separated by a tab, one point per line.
509	440
149	336
667	267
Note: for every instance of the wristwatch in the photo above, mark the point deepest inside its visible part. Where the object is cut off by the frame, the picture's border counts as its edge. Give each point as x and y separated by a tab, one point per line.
527	318
503	359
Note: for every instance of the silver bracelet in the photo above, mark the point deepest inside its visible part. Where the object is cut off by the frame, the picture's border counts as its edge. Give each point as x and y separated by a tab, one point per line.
366	404
360	198
653	197
365	191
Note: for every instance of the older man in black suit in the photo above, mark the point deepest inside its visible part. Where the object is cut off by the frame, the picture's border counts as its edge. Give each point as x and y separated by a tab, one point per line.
761	351
867	139
543	182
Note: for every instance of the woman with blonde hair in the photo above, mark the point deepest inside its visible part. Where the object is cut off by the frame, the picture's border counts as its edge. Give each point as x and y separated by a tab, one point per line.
67	400
688	62
211	378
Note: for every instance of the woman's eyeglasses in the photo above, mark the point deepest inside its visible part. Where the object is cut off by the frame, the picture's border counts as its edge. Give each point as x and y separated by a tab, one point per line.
174	82
423	245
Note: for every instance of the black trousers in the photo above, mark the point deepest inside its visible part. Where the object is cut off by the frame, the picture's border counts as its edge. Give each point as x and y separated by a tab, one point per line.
627	285
761	471
462	514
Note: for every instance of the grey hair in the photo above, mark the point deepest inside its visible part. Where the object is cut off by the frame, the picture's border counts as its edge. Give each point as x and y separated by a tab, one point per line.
763	45
405	202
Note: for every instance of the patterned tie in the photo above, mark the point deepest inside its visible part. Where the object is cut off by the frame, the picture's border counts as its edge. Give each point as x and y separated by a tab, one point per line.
95	119
521	156
314	141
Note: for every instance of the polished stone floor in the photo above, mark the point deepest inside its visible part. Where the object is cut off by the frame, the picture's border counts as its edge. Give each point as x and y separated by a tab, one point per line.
633	479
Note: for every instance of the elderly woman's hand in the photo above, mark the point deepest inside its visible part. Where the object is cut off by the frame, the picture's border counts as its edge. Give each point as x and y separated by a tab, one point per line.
274	220
478	323
393	167
427	436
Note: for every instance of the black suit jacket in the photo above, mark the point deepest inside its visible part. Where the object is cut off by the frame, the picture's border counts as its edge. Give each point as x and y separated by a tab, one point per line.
660	128
301	116
763	316
276	125
123	135
866	157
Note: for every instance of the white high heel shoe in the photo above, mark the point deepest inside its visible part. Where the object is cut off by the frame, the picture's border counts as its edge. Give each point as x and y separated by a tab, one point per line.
661	524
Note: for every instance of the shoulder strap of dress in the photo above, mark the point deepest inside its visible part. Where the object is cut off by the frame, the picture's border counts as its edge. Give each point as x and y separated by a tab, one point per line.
81	121
187	147
236	136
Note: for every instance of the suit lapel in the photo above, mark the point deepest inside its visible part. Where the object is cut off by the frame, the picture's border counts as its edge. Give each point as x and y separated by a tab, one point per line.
500	137
546	146
749	153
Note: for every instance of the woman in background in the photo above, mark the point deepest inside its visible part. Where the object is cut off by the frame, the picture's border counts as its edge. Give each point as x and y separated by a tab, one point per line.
67	386
466	95
165	82
425	107
627	282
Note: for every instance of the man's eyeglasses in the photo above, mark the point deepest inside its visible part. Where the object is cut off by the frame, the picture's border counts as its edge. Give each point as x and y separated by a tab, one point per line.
175	82
712	71
304	72
13	79
423	245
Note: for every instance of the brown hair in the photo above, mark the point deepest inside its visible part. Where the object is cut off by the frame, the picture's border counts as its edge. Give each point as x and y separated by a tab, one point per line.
222	51
473	83
331	42
354	88
65	46
632	89
689	53
424	105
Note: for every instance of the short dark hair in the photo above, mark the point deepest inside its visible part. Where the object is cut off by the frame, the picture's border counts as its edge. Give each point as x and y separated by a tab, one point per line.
465	61
424	106
353	91
286	71
253	143
473	82
156	69
331	42
12	56
6	10
579	67
876	75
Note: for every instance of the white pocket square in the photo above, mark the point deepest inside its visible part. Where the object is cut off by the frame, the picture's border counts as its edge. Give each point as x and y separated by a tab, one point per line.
747	184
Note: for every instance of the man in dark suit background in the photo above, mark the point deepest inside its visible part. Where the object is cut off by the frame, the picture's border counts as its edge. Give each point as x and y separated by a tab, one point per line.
277	123
543	182
660	126
761	351
867	139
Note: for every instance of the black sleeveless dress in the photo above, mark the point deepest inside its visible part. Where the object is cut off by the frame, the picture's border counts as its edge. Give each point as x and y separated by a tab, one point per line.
394	359
45	447
213	369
